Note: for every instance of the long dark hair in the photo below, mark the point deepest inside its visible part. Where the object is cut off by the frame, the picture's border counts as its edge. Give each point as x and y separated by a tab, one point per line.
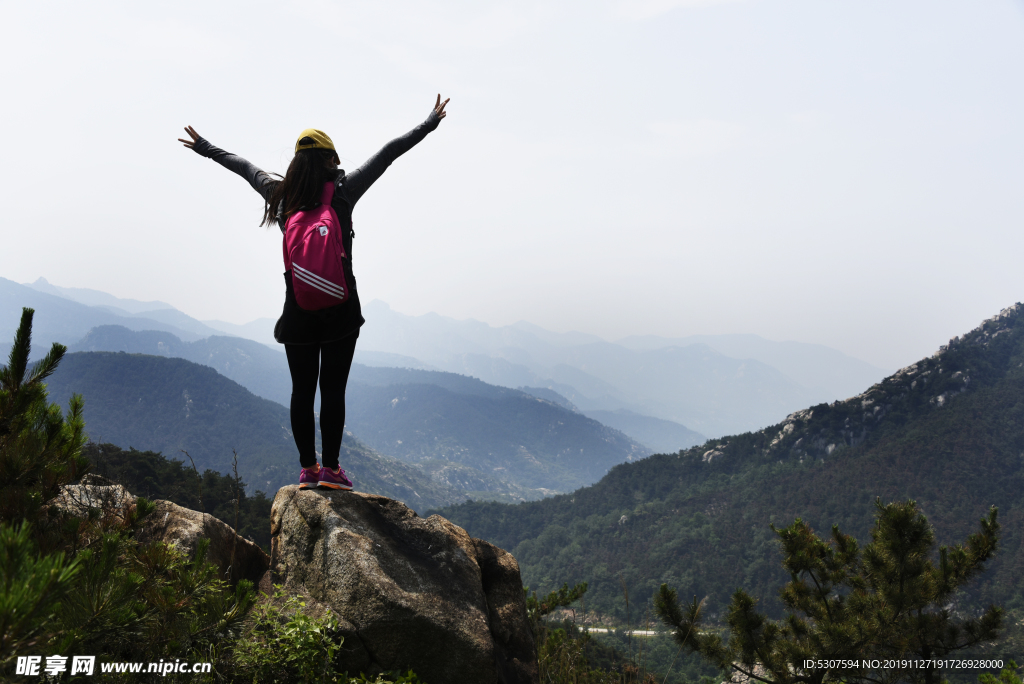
301	186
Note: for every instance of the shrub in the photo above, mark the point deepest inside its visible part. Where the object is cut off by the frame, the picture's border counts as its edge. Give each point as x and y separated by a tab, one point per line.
282	643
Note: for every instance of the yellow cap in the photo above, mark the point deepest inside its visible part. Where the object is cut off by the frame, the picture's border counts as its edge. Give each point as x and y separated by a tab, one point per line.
321	141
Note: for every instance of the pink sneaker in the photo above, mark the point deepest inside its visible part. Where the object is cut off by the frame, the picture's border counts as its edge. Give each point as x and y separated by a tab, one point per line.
309	477
334	479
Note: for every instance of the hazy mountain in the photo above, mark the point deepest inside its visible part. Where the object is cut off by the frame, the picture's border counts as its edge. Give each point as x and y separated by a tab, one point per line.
96	298
814	366
695	384
505	443
386	360
258	368
129	308
382	376
505	434
502	356
712	384
568	339
179	320
660	436
59	319
169	405
505	446
947	432
261	330
552	396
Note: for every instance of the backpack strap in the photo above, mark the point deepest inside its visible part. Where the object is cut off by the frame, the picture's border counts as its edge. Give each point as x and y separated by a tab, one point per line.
328	194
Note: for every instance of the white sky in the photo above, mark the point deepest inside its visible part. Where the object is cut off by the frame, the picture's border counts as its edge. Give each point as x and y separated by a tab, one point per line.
849	173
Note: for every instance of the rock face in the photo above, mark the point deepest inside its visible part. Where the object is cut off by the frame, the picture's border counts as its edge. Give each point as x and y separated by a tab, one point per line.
409	592
184	528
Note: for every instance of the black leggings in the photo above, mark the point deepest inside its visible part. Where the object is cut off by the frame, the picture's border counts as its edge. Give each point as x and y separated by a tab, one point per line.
331	362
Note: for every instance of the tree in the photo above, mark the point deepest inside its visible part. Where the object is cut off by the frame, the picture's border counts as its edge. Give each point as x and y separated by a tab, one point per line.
40	449
1007	676
82	581
849	606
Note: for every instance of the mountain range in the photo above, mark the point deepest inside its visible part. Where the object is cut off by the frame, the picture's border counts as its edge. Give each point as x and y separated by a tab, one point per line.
173	406
59	319
455	426
442	430
430	416
62	314
258	368
947	432
710	384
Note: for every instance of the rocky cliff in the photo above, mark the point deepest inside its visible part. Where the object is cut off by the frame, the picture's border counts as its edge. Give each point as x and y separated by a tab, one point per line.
410	592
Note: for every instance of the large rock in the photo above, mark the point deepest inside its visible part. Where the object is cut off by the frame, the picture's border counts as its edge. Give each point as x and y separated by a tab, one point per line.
113	502
237	557
184	528
411	593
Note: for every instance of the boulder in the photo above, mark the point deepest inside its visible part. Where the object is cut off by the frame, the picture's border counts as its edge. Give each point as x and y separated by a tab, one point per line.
169	523
113	502
410	593
184	527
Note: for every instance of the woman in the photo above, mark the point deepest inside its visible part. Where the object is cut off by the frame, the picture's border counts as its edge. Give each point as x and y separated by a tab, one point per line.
319	344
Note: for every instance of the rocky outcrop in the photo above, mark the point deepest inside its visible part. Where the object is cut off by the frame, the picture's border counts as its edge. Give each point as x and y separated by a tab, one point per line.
112	501
409	592
184	528
237	557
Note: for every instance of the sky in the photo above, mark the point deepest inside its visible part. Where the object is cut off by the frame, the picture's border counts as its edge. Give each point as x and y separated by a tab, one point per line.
845	173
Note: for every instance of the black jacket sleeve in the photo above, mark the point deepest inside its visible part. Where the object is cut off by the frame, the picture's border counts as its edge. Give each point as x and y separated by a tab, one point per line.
360	180
260	181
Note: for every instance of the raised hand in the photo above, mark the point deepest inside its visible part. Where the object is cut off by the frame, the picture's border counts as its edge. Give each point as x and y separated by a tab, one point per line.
439	107
195	136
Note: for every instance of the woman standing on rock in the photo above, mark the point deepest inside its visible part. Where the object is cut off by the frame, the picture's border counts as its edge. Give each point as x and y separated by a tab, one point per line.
321	318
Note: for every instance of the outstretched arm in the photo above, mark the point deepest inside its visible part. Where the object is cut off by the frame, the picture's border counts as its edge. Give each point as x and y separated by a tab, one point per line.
260	181
360	180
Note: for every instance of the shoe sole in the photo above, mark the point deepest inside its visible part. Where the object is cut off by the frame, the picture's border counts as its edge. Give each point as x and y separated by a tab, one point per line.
307	485
333	485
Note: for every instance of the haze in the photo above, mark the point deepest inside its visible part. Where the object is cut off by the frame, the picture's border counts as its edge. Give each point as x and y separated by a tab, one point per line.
846	173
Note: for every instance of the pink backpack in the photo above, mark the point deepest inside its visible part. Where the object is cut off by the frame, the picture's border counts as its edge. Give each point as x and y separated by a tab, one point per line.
315	254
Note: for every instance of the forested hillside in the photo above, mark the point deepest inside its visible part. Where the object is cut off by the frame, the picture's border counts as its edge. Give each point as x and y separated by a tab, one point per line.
503	434
168	405
496	442
947	432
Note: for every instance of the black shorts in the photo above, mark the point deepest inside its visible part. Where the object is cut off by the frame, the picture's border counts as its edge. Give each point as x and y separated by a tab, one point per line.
298	326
